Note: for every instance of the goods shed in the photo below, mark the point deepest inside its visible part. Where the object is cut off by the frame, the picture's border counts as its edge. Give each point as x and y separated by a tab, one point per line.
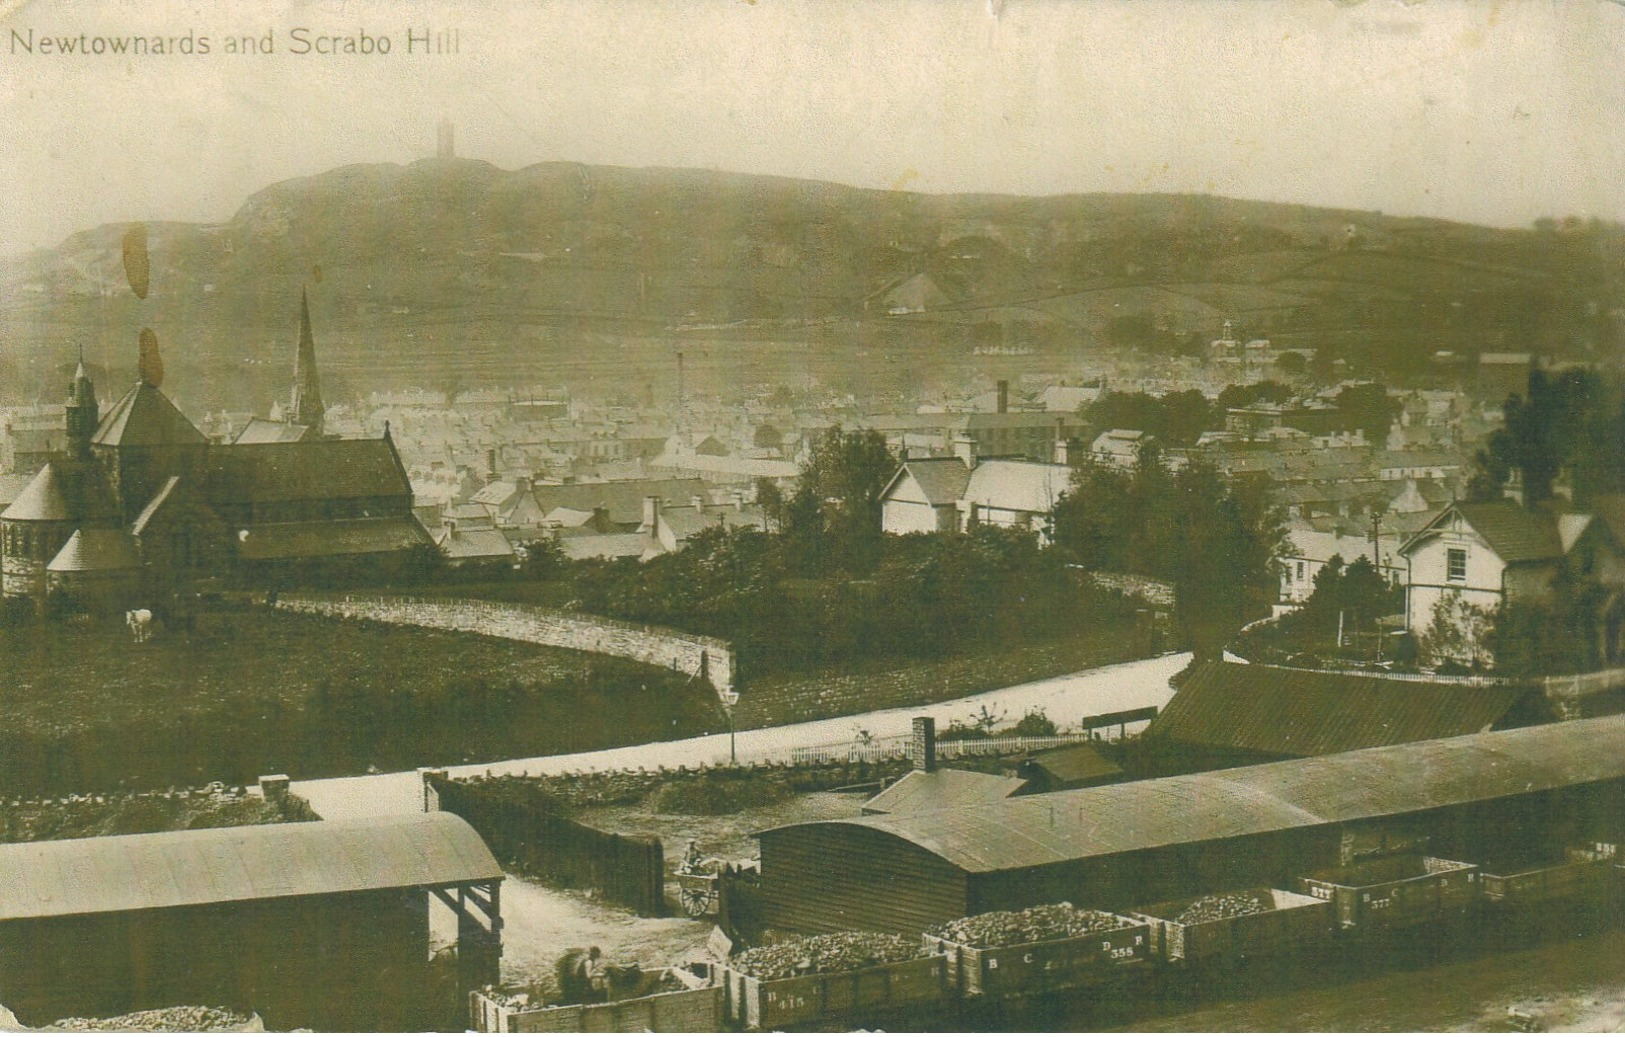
321	924
1117	846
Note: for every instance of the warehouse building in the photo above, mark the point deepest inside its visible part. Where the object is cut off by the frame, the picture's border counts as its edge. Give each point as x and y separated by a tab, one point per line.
322	924
1116	847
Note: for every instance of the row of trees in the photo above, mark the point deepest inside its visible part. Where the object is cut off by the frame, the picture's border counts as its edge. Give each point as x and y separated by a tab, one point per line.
1569	421
1214	539
1180	418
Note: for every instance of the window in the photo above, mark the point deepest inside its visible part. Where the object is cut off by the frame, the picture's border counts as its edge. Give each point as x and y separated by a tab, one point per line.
1300	572
1455	563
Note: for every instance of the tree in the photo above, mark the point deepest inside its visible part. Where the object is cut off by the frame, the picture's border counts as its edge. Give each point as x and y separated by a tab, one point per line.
1369	408
1570	420
1291	364
1232	396
835	509
1457	633
1221	557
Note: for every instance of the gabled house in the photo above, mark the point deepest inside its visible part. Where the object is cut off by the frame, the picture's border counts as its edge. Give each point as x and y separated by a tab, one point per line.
1120	448
924	496
952	494
1492	552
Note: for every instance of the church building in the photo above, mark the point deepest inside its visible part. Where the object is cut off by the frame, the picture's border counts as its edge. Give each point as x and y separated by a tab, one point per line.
141	508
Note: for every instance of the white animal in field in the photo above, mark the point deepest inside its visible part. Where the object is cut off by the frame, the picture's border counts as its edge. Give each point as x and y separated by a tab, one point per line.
140	624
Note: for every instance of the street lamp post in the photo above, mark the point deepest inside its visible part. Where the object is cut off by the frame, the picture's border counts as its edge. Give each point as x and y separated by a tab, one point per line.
730	699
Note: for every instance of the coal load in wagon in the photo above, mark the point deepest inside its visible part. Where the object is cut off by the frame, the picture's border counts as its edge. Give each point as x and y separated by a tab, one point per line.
1238	924
834	976
1038	949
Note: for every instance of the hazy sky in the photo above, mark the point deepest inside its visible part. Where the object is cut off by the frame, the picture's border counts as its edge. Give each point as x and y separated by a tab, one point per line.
1494	113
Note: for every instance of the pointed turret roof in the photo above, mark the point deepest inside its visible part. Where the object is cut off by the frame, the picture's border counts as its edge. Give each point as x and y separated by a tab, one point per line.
307	406
145	417
63	491
96	550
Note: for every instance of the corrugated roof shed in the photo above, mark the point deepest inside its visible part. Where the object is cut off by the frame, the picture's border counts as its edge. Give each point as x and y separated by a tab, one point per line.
942	790
1072	764
224	865
1056	827
1286	712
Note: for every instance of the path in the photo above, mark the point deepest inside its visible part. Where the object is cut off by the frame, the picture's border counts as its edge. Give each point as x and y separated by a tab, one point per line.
1066	700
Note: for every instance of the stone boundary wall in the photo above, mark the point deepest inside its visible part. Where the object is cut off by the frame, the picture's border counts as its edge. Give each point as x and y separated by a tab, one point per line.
671	649
1152	592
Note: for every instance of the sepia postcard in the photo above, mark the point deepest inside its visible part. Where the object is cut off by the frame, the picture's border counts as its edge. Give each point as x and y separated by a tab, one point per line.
812	515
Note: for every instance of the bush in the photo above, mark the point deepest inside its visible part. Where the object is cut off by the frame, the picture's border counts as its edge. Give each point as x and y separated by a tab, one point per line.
1034	724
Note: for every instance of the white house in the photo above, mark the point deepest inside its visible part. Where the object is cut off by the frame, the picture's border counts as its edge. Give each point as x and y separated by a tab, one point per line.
1496	551
945	494
924	496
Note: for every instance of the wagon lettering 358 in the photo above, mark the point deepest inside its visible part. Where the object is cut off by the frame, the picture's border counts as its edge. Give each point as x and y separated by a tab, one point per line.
704	517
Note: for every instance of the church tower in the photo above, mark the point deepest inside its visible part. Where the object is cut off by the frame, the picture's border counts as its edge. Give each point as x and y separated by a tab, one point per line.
82	412
306	406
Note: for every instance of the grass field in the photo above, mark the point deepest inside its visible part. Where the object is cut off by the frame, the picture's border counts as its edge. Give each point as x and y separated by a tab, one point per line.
83	708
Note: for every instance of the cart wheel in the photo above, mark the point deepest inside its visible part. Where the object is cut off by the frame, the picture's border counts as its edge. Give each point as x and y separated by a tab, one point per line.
695	902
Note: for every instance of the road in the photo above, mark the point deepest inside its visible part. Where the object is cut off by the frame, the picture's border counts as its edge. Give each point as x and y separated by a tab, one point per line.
1066	700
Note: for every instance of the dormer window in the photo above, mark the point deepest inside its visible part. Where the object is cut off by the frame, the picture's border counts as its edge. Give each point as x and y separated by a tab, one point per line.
1455	564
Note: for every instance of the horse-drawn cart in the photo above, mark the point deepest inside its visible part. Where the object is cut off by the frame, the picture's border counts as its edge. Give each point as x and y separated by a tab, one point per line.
697	888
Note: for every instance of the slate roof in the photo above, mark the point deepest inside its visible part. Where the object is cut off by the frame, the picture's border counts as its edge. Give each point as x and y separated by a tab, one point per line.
145	418
942	479
1018	485
942	789
1057	827
96	550
258	430
319	470
273	541
684	522
623	499
63	877
1286	712
1513	532
474	543
65	490
587	544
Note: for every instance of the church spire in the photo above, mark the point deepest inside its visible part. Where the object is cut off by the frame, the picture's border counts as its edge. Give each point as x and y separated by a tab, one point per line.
307	406
83	413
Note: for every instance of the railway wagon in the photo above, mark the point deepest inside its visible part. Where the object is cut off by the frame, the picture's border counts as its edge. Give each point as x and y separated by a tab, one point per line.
697	1010
1278	922
1578	872
772	1004
1044	965
1390	892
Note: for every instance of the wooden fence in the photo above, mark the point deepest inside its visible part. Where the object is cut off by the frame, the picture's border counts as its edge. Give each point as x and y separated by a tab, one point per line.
533	840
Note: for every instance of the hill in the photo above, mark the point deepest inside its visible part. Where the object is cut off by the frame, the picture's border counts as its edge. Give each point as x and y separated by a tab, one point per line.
568	273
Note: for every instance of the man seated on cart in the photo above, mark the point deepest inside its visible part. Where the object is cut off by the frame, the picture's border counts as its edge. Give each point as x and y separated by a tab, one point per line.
693	862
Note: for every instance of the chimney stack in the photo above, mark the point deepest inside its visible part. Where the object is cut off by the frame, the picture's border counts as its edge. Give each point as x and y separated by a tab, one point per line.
965	450
1004	396
491	462
1060	441
922	745
651	514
